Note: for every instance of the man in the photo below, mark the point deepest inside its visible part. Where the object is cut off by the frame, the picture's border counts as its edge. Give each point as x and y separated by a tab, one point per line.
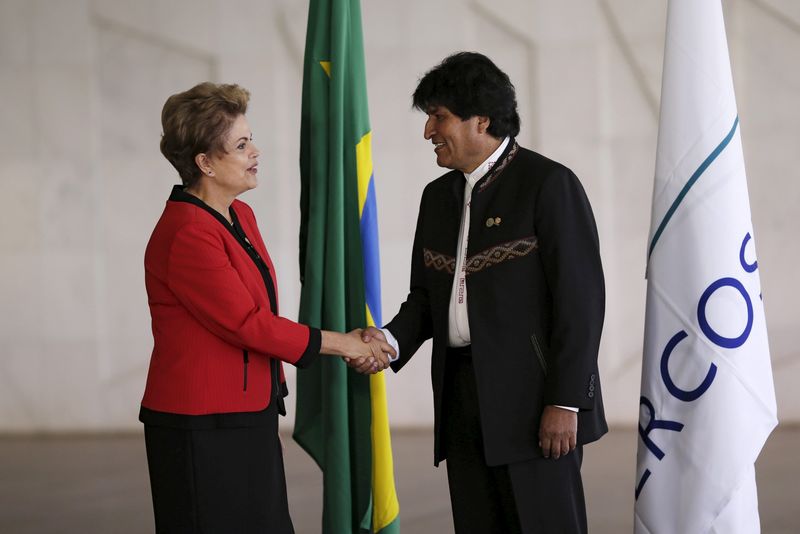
506	278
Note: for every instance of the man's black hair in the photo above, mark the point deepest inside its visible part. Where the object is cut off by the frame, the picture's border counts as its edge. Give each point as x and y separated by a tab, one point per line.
469	85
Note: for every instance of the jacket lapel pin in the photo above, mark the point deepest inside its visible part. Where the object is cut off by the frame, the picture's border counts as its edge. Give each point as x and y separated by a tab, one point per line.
493	221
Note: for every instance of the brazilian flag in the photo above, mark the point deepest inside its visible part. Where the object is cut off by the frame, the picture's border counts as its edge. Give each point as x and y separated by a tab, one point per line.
341	416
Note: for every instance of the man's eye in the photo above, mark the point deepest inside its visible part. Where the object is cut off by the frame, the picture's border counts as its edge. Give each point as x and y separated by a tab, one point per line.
241	146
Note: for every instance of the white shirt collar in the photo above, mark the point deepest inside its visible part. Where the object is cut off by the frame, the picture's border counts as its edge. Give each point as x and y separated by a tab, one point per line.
481	170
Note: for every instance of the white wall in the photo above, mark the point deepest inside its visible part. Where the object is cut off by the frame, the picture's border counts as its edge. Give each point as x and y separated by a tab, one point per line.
82	83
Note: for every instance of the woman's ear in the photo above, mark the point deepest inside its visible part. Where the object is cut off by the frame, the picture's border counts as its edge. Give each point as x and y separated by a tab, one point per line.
204	164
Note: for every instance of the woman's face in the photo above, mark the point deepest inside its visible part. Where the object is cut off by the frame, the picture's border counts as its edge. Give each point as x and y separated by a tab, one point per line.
235	170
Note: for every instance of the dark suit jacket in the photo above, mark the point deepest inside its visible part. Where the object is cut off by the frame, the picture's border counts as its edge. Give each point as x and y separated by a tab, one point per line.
535	297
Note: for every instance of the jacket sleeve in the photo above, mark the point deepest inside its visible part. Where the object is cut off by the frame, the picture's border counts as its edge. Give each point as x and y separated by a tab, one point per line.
570	253
202	278
412	325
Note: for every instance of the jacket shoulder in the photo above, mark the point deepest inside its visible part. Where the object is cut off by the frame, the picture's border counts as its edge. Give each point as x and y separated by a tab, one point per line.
443	183
530	159
178	219
181	214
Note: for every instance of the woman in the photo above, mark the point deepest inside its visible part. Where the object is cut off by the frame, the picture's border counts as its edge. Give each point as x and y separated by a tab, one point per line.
215	385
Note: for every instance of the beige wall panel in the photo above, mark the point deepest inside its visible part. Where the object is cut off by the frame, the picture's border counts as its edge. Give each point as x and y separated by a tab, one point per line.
83	81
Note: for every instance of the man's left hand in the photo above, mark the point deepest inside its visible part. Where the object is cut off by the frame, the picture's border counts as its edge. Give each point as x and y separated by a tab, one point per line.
558	432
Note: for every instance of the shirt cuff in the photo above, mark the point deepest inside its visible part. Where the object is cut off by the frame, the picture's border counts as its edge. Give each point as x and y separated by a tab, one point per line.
570	408
391	340
312	349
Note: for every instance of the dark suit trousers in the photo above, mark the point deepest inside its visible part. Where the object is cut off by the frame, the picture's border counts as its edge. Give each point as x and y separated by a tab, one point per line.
537	496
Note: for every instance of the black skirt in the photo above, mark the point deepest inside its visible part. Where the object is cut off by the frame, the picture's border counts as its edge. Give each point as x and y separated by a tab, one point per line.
219	480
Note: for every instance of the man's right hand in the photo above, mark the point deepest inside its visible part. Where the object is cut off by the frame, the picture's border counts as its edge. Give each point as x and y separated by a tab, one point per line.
378	353
371	332
370	335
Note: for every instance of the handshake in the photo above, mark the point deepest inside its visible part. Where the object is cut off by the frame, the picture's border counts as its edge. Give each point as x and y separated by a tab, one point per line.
366	350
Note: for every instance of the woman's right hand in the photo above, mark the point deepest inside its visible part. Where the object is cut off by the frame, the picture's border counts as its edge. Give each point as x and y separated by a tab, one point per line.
364	357
370	357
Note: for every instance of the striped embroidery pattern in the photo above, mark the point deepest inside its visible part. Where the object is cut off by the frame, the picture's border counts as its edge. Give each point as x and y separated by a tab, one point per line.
439	261
497	170
500	253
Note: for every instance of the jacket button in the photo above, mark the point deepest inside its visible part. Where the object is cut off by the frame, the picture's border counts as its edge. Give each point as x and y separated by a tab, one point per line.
592	378
591	394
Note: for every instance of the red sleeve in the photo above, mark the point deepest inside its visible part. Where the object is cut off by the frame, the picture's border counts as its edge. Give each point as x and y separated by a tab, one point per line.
201	276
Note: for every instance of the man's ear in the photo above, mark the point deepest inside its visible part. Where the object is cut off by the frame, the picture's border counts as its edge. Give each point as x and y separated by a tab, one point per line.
483	124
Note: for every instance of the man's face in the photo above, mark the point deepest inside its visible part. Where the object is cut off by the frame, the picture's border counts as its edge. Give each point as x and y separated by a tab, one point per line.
459	144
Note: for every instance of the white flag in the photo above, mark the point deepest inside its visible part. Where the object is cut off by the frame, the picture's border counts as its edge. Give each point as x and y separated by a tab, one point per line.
708	401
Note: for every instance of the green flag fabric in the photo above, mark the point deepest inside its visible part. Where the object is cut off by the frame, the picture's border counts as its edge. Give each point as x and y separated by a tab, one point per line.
341	415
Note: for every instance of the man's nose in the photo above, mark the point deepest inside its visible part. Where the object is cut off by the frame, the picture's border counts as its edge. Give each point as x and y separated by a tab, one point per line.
428	132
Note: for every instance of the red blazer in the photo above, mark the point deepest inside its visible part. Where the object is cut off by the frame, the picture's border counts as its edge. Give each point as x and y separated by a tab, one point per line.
213	330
